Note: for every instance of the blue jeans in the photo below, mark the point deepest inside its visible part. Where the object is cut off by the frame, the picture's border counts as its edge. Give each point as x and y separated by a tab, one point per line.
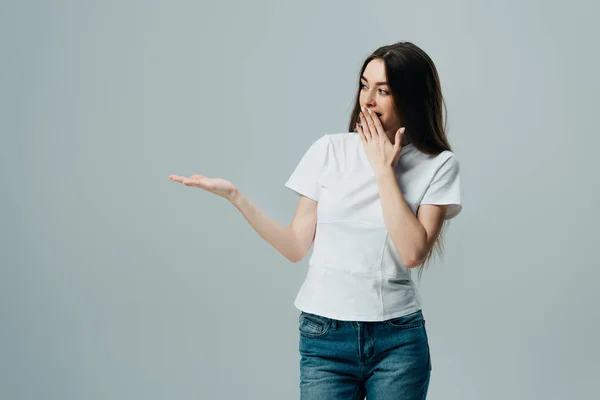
343	360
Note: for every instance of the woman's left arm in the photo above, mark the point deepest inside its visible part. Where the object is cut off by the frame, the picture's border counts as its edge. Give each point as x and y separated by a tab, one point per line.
413	236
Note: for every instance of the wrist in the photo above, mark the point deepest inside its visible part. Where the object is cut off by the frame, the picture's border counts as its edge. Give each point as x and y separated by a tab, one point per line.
235	197
384	172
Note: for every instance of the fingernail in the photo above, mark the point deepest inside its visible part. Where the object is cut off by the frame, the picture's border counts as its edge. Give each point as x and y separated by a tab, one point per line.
362	109
368	109
402	129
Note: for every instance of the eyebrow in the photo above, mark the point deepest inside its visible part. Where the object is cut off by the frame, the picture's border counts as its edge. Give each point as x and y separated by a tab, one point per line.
377	83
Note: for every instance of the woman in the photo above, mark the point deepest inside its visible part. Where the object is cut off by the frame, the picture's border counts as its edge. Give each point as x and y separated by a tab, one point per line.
374	201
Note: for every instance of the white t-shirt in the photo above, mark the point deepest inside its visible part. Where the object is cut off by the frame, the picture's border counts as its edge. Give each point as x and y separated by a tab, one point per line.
355	272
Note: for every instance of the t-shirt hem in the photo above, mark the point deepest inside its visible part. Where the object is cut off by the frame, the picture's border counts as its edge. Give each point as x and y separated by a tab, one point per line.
361	318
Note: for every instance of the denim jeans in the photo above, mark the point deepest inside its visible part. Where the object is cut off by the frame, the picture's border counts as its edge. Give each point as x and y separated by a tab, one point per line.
343	360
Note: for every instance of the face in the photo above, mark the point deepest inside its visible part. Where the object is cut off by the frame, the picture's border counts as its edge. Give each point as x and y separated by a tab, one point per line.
375	94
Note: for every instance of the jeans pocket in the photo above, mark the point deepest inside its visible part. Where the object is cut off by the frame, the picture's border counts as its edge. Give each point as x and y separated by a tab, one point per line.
313	325
409	321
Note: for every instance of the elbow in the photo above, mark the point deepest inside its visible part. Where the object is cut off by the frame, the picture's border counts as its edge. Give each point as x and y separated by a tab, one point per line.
412	262
411	255
294	258
296	250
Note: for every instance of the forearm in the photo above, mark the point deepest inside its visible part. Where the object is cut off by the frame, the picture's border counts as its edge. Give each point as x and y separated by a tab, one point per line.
281	237
407	233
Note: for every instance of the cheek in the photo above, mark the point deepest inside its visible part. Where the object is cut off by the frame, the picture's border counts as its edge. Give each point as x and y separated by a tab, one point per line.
391	114
389	107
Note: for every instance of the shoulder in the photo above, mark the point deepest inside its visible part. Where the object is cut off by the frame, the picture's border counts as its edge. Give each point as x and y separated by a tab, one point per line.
445	167
335	140
446	160
339	137
427	167
343	139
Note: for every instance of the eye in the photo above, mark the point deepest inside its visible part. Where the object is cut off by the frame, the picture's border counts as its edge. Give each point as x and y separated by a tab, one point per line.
385	92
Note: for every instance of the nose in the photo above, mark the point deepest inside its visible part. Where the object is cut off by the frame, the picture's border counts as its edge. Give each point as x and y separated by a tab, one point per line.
370	99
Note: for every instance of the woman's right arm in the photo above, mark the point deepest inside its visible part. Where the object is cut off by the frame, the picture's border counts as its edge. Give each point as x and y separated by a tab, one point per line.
292	241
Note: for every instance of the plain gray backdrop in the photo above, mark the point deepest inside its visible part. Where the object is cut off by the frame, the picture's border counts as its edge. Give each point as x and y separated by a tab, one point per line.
117	283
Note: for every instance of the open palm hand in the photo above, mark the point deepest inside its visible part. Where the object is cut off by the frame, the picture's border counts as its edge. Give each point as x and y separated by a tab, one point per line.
217	186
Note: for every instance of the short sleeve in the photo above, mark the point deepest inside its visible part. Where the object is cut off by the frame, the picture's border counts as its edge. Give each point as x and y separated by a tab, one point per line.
304	179
445	188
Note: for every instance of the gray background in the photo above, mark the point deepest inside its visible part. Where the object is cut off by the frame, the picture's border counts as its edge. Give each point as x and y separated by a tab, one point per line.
116	283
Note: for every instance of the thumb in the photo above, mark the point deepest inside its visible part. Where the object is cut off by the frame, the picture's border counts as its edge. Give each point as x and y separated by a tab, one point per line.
399	136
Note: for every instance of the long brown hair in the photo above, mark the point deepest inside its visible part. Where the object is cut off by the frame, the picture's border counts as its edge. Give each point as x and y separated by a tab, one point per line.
417	96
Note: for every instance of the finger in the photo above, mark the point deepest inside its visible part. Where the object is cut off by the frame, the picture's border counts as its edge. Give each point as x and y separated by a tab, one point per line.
196	176
400	136
363	139
176	178
365	126
371	124
377	124
398	141
194	182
